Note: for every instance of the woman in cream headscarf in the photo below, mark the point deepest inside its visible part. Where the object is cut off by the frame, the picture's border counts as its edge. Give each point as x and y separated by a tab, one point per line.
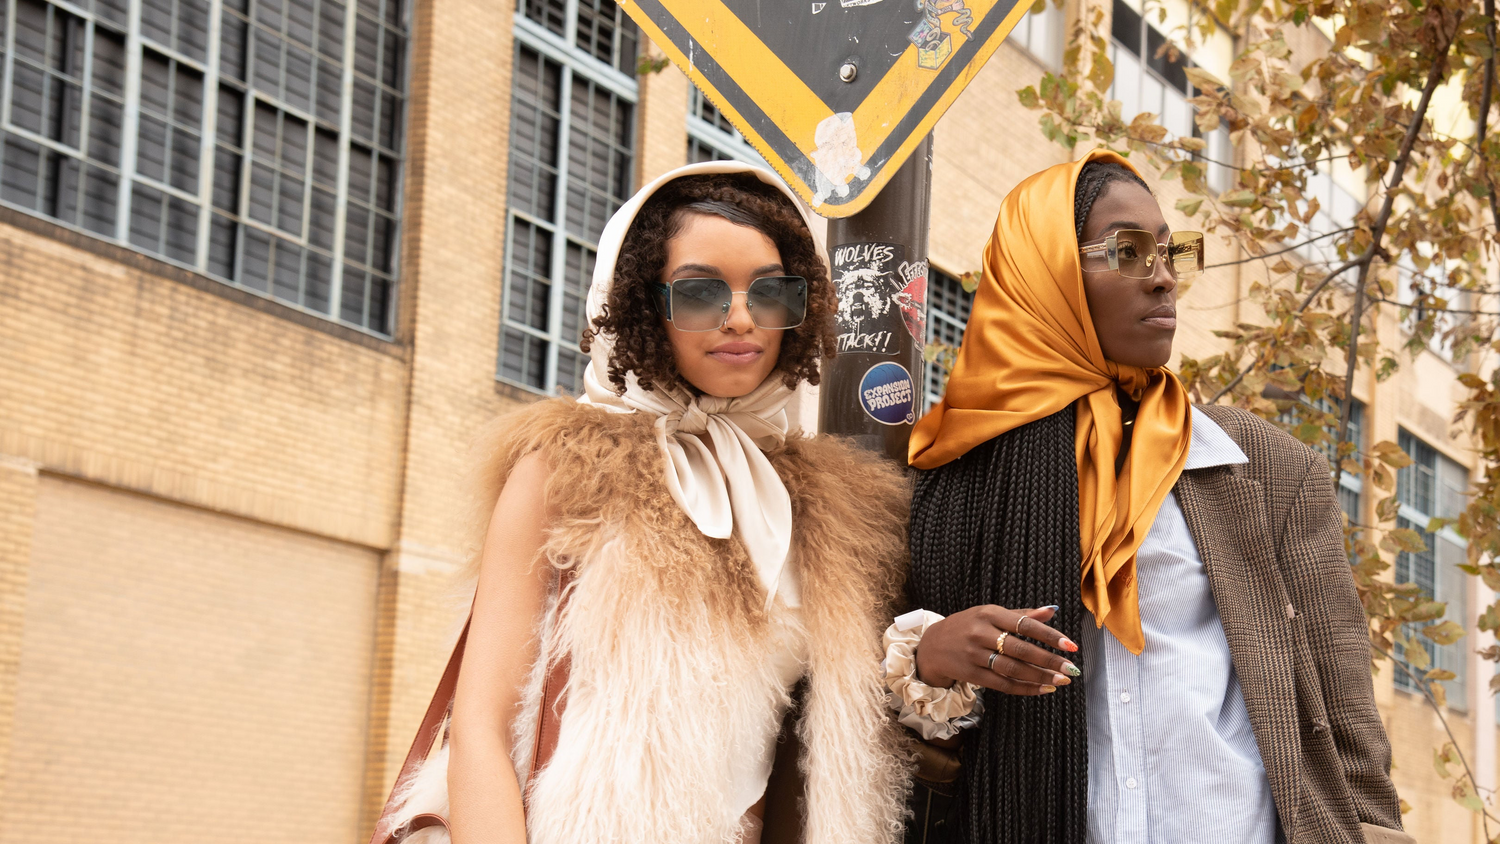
1071	492
696	579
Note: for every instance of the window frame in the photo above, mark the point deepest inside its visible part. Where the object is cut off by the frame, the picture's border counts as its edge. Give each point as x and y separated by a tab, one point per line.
1216	175
574	61
1054	20
935	377
1452	657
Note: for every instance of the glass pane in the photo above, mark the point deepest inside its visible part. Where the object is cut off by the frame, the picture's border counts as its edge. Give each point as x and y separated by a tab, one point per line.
529	291
1125	26
548	13
535	121
523	358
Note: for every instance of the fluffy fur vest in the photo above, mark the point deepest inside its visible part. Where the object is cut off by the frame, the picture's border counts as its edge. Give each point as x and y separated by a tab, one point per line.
670	676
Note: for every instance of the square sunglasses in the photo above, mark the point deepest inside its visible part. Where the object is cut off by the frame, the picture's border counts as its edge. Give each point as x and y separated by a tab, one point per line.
1133	253
703	304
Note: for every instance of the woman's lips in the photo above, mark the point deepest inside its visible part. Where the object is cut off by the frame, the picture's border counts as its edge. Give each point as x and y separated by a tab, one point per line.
737	353
1163	317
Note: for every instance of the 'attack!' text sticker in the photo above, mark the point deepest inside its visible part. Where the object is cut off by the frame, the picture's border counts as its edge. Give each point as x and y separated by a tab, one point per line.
887	394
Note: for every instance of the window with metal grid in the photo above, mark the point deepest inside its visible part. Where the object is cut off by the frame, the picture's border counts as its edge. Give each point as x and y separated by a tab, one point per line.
1434	486
711	137
256	141
948	307
572	154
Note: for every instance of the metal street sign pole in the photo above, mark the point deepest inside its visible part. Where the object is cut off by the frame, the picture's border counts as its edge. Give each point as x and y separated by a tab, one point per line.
872	391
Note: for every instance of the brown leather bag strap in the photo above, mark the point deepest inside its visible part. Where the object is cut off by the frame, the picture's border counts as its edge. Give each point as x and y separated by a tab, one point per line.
421	745
548	725
549	716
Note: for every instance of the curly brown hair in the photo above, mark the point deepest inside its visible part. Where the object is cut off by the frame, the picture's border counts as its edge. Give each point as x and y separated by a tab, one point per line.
641	344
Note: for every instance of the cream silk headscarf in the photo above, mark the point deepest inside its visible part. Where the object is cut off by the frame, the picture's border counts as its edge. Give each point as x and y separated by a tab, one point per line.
1030	350
731	489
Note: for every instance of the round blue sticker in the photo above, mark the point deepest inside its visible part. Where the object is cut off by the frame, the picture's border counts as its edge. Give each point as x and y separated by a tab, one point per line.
887	394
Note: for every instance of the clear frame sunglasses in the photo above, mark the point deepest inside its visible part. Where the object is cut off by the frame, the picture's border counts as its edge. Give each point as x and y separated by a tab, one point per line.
1133	253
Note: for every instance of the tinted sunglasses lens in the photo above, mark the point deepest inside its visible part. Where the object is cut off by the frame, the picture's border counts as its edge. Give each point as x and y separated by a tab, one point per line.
699	304
778	302
1185	251
1135	253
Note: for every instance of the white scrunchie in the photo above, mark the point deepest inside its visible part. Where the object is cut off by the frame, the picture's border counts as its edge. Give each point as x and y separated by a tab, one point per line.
932	712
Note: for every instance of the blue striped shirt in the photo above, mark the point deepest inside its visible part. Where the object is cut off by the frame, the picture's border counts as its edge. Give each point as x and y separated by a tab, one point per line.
1172	757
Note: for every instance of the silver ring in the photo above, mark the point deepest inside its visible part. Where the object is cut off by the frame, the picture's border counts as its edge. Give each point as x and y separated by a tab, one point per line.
993	656
1024	619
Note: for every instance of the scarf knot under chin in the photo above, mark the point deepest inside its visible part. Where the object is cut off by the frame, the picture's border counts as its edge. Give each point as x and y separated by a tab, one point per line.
692	419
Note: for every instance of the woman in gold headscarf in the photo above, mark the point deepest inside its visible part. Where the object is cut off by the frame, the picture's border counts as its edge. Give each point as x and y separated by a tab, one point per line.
1070	492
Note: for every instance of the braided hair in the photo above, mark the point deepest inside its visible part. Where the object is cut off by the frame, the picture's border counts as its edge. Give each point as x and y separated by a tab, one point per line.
999	525
1095	177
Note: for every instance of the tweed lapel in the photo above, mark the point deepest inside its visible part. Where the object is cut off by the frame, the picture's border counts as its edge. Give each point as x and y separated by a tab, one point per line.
1226	514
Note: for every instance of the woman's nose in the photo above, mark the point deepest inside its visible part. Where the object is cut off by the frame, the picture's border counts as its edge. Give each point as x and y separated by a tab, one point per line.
739	320
1162	278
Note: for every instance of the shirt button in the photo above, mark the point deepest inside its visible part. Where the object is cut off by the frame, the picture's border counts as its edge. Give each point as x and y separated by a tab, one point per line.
1130	783
1124	697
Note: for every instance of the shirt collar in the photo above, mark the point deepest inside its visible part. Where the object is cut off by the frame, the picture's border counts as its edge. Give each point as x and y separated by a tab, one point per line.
1210	446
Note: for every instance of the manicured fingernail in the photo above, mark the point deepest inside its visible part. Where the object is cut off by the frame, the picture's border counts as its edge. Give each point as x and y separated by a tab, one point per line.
1054	607
1071	670
1067	644
1060	680
1047	690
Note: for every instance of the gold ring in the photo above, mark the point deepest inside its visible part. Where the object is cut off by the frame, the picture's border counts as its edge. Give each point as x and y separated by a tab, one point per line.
1000	644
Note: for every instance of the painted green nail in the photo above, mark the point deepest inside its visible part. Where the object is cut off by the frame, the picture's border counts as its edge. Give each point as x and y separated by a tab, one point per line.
1071	670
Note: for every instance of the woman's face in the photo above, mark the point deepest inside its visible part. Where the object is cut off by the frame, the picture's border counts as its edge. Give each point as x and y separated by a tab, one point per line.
733	360
1135	318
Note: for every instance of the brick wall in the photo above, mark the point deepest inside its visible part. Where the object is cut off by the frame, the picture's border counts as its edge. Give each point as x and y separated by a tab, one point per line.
187	676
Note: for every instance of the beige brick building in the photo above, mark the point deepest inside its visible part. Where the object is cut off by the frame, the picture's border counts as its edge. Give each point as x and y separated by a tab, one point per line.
266	269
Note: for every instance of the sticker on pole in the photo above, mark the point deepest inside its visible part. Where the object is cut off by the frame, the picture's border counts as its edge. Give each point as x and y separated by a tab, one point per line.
879	291
887	394
835	95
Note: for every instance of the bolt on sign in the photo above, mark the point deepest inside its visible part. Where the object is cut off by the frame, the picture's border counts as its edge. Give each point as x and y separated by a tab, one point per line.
835	94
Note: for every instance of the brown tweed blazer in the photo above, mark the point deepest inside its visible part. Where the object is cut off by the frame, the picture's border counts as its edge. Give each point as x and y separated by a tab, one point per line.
1271	539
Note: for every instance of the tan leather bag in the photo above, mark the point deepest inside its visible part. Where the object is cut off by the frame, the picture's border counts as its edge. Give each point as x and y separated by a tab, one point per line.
548	725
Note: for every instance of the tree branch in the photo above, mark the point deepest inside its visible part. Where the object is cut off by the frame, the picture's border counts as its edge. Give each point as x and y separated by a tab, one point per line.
1363	259
1377	234
1484	110
1281	251
1431	701
1414	306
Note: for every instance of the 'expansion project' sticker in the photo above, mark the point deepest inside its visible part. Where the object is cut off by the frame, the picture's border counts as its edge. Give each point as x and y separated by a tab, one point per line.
887	394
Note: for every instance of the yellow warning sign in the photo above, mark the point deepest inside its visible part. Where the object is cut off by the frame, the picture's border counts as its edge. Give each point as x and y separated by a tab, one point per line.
834	94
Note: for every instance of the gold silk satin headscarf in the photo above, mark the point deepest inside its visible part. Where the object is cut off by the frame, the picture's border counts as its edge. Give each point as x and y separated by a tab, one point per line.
1030	350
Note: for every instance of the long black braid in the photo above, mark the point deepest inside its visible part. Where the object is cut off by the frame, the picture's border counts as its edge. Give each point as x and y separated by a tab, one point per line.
999	525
